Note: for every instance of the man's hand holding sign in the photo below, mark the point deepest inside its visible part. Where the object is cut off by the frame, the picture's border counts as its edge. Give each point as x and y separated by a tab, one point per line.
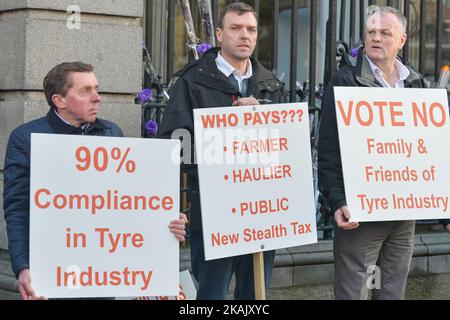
342	217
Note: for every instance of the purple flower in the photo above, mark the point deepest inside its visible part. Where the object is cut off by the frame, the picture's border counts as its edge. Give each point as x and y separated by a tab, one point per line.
354	52
145	96
151	127
203	47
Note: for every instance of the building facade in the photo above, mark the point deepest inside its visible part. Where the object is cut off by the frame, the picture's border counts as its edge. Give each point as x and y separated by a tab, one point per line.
37	35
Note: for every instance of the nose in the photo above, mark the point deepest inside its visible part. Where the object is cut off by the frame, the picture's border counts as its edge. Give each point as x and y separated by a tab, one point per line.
96	97
244	33
377	36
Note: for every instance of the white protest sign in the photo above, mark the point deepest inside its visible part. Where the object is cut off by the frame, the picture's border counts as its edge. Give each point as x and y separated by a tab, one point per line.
255	174
395	152
99	214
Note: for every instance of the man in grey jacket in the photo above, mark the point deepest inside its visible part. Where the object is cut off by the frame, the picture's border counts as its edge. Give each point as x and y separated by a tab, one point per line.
365	248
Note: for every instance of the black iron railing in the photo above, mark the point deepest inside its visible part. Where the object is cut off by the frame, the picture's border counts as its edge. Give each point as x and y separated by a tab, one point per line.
341	25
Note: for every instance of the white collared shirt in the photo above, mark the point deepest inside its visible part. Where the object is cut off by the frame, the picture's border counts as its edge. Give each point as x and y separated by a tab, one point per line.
83	126
62	119
403	74
227	69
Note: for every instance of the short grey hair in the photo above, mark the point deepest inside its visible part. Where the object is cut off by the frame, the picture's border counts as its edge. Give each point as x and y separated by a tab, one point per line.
383	10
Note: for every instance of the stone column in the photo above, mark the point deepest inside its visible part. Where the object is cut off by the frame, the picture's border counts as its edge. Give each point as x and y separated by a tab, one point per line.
35	35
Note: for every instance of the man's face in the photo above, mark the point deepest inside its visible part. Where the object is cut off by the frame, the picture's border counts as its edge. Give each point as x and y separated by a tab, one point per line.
80	105
238	36
384	38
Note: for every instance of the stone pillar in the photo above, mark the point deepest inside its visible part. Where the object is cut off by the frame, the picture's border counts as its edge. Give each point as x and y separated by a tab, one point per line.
35	35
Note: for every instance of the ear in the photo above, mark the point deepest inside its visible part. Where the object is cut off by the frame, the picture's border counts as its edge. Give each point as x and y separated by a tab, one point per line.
403	41
219	34
59	101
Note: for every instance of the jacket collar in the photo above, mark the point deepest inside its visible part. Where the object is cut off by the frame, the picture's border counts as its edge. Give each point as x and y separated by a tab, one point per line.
227	69
208	75
365	76
61	127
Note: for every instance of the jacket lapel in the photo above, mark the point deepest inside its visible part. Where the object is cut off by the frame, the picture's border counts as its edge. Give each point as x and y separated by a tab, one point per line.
208	75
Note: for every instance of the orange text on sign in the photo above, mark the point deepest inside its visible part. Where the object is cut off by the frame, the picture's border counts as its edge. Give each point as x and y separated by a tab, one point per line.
252	118
391	113
260	146
100	159
112	200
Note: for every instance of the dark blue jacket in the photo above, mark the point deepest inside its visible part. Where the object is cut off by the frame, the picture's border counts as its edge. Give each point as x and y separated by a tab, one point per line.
16	195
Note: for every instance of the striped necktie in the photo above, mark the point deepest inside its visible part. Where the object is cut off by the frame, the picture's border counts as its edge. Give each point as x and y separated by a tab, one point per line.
235	84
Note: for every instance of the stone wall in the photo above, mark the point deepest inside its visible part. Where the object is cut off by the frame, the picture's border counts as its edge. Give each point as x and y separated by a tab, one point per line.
35	35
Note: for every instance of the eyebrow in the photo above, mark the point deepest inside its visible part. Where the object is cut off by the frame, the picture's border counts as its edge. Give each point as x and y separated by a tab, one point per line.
89	87
372	29
242	25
